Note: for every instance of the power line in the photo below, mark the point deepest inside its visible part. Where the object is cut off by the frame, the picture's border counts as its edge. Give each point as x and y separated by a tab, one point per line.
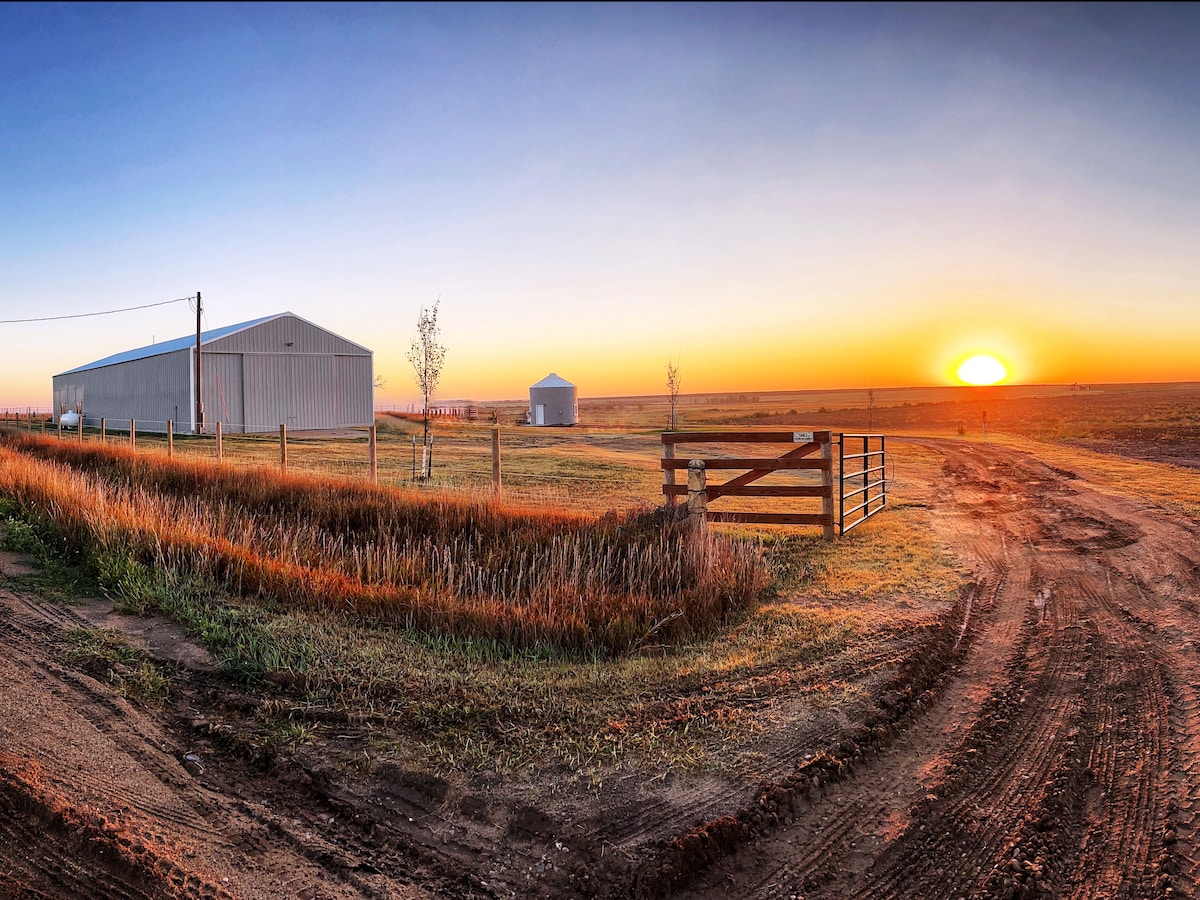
107	312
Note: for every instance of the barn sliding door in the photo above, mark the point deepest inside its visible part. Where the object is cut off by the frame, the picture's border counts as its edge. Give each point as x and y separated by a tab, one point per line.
296	391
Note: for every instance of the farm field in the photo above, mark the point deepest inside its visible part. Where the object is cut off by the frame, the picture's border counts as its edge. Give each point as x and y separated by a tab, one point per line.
991	689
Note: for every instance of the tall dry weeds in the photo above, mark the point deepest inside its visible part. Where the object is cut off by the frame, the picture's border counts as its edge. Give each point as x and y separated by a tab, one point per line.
471	567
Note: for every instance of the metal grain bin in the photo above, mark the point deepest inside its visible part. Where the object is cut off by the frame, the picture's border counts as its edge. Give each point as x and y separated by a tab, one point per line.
553	401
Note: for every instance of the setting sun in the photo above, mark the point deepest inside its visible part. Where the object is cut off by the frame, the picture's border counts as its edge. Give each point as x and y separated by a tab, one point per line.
982	369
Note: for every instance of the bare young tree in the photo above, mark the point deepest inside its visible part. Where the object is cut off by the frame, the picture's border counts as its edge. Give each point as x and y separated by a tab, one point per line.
427	356
673	393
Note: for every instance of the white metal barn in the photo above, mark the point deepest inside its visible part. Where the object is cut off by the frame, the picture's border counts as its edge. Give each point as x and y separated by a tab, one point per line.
257	375
553	401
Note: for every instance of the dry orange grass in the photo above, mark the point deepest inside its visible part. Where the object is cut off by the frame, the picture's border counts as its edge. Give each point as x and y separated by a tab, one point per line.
462	566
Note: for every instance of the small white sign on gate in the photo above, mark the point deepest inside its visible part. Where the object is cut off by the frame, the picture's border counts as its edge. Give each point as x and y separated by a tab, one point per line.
802	437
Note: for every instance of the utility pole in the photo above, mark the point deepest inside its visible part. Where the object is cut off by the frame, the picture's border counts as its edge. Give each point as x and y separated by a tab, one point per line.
199	371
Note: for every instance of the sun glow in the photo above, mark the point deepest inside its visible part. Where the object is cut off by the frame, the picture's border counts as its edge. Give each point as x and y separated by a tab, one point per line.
982	368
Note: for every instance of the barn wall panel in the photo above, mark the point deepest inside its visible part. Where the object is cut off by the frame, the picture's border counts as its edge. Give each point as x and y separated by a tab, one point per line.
286	334
354	391
150	390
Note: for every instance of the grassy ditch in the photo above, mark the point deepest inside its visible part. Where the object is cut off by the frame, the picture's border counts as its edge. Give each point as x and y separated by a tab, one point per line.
460	701
543	580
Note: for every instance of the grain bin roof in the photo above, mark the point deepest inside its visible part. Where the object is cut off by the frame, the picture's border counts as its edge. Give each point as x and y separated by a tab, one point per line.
181	343
553	381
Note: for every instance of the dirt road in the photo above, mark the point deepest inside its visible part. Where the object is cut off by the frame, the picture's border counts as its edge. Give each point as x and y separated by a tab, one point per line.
1061	756
1048	744
100	799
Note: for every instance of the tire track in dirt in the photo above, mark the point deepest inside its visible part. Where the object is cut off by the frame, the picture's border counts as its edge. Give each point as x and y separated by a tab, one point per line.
52	850
1112	801
131	820
1063	759
790	804
630	828
1130	761
108	713
1150	582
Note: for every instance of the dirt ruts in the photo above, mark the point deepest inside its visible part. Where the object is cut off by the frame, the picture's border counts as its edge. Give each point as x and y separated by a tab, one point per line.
1060	757
99	799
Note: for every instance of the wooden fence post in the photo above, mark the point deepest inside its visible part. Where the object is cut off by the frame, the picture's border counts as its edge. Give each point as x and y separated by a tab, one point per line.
220	446
496	461
170	439
697	501
827	529
283	448
669	474
103	430
79	428
133	434
373	453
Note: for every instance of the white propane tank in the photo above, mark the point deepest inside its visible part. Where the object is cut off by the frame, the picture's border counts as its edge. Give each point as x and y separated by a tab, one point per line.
69	420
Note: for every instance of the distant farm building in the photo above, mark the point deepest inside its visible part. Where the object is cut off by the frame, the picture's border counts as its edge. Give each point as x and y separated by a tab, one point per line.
553	401
257	375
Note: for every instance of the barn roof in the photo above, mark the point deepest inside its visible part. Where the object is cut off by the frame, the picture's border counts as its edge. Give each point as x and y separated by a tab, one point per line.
552	381
181	343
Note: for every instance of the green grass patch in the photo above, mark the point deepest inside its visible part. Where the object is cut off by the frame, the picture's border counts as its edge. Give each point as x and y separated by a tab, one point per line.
58	575
107	655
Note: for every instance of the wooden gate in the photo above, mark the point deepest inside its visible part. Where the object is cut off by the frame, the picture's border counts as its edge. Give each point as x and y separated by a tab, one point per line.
862	486
812	450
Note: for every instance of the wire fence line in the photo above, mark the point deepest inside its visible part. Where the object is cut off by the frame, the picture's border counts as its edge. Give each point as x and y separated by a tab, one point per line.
20	413
535	466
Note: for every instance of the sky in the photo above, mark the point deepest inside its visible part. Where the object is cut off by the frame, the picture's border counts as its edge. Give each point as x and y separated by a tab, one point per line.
775	197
